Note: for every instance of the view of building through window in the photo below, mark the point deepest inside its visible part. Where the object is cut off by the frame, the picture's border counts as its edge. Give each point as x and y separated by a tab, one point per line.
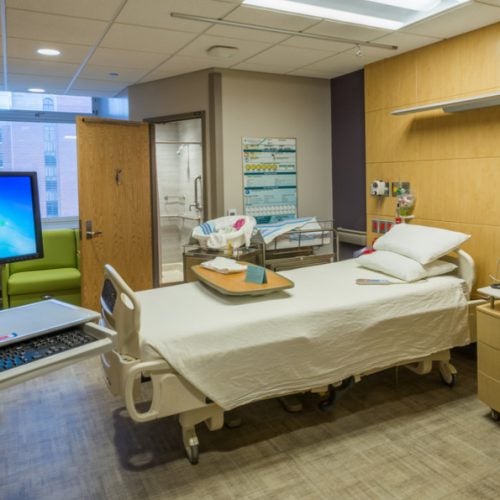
48	148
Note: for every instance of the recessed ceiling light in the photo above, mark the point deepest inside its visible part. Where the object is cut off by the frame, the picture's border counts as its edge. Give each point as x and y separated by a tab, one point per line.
385	14
49	52
37	91
222	51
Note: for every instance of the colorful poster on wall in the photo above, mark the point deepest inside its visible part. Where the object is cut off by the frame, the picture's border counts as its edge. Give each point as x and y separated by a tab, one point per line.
270	178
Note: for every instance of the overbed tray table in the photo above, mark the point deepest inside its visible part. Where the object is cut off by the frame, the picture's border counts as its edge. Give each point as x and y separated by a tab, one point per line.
235	284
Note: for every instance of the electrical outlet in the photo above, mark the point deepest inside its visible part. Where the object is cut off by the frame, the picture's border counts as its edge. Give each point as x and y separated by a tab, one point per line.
232	211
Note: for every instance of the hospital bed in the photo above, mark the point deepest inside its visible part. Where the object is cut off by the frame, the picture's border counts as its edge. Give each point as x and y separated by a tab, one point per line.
207	353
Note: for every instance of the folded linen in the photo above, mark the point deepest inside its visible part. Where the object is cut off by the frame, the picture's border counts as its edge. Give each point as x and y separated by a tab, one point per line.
223	265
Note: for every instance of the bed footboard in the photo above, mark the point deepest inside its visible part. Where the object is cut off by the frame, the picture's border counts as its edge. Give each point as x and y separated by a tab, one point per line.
171	395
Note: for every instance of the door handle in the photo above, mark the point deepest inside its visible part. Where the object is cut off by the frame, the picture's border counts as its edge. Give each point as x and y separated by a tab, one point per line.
89	234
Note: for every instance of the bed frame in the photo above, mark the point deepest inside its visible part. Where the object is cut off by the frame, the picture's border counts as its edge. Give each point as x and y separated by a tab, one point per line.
174	395
324	250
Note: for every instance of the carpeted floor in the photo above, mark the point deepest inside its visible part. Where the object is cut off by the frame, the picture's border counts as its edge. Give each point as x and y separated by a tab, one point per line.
63	436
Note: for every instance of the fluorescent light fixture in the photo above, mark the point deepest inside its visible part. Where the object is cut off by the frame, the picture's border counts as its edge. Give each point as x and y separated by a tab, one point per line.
418	5
49	52
307	9
384	14
70	137
36	91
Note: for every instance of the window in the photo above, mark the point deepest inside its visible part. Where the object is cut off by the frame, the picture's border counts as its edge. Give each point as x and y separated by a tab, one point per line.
49	133
30	142
48	104
52	209
50	184
50	150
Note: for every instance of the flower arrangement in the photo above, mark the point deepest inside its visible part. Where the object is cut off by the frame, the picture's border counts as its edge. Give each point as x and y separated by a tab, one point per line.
405	202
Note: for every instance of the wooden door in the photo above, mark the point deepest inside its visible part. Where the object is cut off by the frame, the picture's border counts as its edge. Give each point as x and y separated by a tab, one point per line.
114	190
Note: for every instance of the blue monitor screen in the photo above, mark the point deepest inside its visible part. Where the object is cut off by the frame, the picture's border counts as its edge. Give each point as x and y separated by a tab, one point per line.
20	228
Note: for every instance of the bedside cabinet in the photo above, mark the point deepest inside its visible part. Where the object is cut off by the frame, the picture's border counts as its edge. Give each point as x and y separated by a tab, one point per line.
488	356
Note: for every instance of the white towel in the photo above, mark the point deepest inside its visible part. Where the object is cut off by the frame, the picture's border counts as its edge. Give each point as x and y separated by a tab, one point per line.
224	265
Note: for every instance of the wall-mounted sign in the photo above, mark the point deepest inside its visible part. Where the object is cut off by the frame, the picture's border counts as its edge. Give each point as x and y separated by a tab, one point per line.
270	178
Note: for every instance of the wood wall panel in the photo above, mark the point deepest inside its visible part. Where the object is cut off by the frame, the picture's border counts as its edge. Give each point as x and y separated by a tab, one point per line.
388	139
470	134
457	67
451	160
400	91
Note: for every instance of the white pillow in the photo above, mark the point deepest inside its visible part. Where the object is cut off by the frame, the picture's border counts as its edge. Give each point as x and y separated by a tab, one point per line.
439	267
393	264
421	243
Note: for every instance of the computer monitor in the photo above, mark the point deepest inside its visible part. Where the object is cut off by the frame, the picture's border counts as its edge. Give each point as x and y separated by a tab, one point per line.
20	224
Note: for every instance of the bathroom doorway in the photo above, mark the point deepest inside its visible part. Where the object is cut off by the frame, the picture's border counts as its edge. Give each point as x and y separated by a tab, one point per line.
178	153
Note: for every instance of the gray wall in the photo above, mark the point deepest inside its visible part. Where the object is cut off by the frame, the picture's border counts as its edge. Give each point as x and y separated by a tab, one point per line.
265	105
250	104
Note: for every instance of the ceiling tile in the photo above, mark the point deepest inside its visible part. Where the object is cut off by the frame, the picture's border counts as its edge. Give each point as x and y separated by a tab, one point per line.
314	74
26	49
490	2
124	36
245	34
404	42
271	19
126	58
88	84
340	63
348	31
127	75
263	68
50	27
156	13
178	65
90	9
311	43
283	56
48	68
198	48
460	20
21	83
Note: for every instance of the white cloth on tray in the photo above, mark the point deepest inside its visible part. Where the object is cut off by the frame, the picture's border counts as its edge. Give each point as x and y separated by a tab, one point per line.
241	349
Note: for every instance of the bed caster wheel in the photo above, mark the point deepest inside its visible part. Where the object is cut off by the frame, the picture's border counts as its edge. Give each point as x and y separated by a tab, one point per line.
448	373
326	405
193	454
494	415
450	379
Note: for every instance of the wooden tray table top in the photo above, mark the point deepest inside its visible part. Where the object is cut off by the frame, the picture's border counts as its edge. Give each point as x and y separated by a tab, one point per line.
235	284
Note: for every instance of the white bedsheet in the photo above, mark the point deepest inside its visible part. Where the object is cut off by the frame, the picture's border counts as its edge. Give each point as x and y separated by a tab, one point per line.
240	349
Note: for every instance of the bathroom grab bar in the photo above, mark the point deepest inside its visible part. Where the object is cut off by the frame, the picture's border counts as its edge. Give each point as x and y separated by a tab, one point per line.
196	204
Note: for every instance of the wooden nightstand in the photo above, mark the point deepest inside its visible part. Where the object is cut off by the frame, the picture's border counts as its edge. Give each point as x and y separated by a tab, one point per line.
488	355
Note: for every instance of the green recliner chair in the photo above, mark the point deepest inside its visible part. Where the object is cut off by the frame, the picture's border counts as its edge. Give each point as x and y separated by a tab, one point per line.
56	275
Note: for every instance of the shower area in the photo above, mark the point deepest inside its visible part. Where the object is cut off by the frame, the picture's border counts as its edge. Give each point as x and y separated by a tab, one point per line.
179	168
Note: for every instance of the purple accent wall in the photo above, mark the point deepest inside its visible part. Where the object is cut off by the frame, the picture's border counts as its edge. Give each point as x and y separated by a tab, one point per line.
348	151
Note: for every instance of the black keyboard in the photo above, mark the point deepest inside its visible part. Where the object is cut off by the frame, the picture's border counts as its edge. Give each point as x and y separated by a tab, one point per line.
36	348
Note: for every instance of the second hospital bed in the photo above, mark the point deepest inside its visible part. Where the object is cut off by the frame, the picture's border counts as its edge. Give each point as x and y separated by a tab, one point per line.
207	353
